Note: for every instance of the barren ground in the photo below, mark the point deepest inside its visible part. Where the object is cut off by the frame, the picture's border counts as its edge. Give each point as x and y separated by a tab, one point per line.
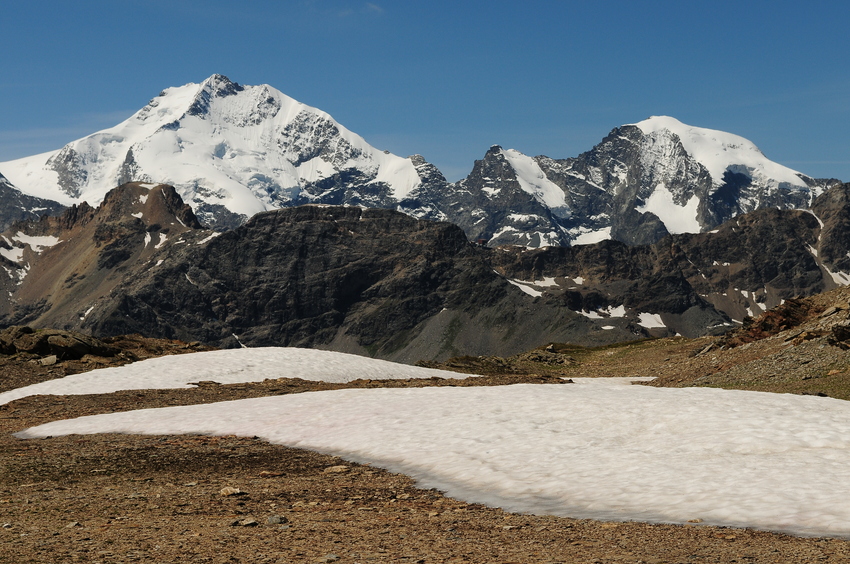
124	498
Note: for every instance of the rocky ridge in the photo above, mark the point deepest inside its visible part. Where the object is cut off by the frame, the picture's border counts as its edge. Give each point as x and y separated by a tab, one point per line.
381	283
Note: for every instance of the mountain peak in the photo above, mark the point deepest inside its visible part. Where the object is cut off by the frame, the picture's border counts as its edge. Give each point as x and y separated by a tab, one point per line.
721	152
229	150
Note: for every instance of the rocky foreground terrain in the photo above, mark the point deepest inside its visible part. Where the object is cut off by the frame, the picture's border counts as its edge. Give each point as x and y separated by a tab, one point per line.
119	498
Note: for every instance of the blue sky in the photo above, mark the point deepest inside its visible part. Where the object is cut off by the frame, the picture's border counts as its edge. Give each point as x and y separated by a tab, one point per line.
447	79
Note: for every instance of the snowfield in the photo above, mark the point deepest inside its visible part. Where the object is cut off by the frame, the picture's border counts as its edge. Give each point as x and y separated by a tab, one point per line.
233	366
593	449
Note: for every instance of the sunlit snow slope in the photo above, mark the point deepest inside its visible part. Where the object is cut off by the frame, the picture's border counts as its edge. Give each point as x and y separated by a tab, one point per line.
247	148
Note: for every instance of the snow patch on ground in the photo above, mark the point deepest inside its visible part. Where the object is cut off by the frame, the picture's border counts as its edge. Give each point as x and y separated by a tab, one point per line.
15	254
591	237
230	366
650	320
603	451
526	287
619	311
206	240
37	242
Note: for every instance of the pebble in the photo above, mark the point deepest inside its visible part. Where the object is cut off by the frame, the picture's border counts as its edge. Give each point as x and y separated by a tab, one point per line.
277	520
335	469
244	523
228	491
48	360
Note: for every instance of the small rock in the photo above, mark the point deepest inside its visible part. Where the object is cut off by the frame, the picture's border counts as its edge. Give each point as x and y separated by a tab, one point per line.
248	522
73	524
189	484
694	520
48	360
277	520
270	474
329	558
228	491
335	469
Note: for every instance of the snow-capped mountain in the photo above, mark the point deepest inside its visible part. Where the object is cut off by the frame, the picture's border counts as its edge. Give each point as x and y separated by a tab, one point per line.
230	150
643	181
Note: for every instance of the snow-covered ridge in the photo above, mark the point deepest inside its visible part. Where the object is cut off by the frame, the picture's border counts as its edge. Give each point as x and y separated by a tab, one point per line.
719	151
248	148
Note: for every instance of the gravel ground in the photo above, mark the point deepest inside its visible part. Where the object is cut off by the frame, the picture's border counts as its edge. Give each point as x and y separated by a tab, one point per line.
126	498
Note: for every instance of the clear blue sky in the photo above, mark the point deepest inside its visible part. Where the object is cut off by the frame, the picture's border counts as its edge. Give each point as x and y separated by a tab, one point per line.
447	79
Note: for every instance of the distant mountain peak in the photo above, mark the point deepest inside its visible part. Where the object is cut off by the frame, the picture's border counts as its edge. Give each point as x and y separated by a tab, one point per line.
230	150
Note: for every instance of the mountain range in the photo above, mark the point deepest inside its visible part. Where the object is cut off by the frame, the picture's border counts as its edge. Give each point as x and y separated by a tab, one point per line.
232	151
242	217
381	283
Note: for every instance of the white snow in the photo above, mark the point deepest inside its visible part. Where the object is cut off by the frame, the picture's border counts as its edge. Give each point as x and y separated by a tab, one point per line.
650	320
231	366
37	242
591	237
137	215
547	282
533	180
718	151
206	240
240	153
147	238
525	287
162	239
15	254
619	311
606	451
523	217
590	314
676	218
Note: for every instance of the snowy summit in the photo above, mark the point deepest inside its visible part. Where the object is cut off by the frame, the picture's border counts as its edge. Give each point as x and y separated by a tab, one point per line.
246	148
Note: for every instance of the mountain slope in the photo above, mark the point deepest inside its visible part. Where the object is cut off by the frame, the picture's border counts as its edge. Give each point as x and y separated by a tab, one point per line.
230	150
17	206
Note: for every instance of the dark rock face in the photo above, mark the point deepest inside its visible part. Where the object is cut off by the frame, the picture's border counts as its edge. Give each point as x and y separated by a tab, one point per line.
356	279
17	206
381	283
